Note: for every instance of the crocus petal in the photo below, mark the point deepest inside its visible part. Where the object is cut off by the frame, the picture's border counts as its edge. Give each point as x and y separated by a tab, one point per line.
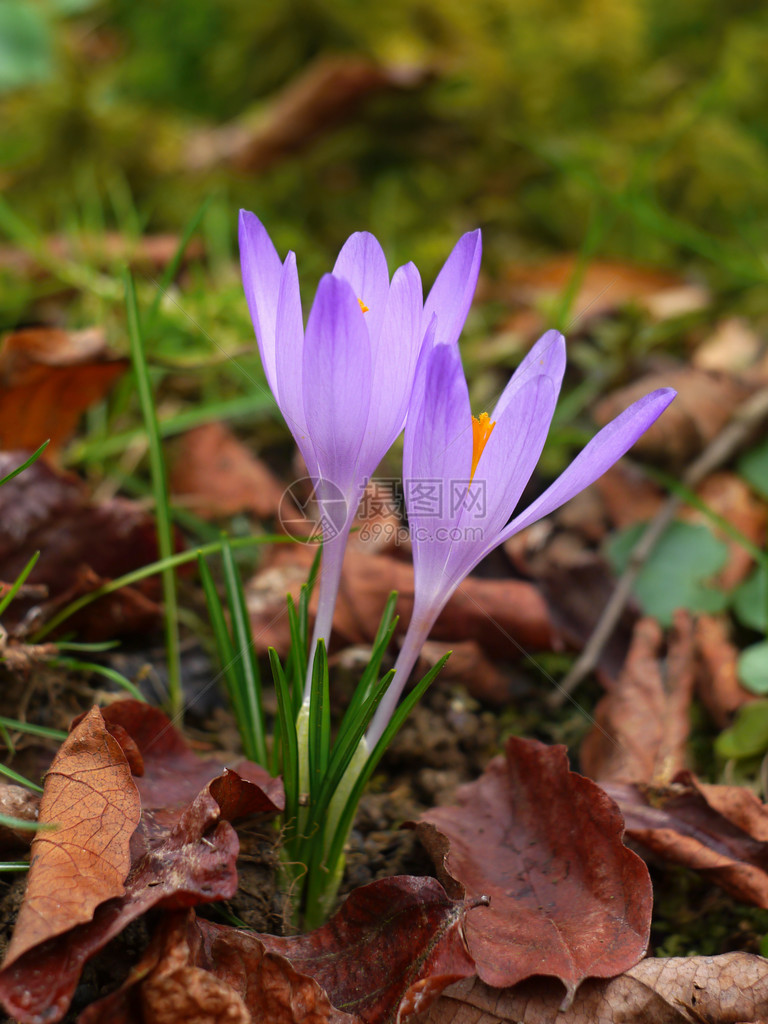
437	459
337	381
290	331
262	270
362	262
509	458
547	357
452	293
394	360
605	448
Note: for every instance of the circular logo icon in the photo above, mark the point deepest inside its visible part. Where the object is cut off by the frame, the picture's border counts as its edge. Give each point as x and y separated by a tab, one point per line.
310	513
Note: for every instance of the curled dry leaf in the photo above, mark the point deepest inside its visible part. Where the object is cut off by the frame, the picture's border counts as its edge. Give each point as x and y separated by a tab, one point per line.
90	798
389	950
384	956
641	726
81	546
183	852
719	831
717	680
567	897
48	378
705	403
727	989
214	474
198	971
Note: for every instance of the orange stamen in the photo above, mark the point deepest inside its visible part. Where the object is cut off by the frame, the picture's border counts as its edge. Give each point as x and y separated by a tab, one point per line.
481	431
363	306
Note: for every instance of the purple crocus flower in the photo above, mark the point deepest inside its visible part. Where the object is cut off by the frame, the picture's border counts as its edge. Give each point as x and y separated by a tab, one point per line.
344	385
463	477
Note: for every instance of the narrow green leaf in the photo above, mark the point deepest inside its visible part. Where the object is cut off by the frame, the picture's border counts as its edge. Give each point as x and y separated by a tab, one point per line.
151	570
290	751
22	781
20	469
102	670
160	490
33	730
319	721
19	582
242	640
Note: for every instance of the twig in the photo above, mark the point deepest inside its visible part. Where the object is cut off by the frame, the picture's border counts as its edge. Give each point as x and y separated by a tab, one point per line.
720	450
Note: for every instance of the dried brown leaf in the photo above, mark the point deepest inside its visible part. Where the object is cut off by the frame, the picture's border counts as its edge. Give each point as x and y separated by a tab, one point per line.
717	680
17	802
184	852
567	897
48	378
719	831
81	546
391	948
202	971
504	616
91	798
705	403
727	989
603	287
216	475
641	726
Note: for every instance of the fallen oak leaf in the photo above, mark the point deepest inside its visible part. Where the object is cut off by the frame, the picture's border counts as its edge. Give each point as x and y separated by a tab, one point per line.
567	897
727	989
90	797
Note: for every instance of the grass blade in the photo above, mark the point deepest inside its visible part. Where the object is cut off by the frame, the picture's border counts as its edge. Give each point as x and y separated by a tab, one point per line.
19	582
242	639
20	469
160	489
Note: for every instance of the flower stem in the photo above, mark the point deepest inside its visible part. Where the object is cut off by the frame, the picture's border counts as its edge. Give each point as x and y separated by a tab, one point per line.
416	635
327	591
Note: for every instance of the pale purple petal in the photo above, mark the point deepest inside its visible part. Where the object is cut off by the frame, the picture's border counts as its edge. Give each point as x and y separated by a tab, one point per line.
362	262
337	381
395	356
605	448
262	270
547	357
452	292
438	452
510	457
289	355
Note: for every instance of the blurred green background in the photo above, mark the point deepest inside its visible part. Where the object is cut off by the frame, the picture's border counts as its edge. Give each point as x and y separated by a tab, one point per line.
637	123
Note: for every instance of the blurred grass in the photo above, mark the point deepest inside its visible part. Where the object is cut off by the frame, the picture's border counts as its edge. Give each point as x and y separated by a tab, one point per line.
531	114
